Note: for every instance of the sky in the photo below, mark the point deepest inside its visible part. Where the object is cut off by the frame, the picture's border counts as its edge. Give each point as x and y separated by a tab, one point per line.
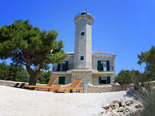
123	27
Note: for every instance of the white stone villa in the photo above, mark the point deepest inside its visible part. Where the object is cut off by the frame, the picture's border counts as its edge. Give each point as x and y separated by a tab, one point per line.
96	68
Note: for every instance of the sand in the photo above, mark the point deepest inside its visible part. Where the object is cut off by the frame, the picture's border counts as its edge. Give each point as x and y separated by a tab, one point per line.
21	102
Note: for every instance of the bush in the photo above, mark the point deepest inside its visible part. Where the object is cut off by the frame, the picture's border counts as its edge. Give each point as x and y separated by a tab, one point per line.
123	78
145	93
146	96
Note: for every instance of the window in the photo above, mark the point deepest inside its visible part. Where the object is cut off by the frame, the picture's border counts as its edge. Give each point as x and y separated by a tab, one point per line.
82	33
103	66
104	80
63	66
61	80
82	58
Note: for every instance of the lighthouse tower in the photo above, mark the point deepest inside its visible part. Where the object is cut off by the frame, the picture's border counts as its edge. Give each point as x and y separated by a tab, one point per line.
83	41
94	68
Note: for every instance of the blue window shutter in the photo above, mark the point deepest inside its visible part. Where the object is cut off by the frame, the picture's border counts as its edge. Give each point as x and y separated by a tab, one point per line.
108	65
99	65
108	80
100	80
66	66
58	68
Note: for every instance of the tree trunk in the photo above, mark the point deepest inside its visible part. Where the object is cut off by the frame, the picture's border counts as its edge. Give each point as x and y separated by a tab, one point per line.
34	75
34	78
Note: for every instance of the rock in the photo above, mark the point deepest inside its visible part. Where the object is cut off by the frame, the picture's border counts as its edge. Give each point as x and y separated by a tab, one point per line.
123	104
132	101
108	114
127	110
121	109
109	110
121	114
115	110
117	101
106	106
138	106
129	102
112	106
103	112
127	114
116	106
115	114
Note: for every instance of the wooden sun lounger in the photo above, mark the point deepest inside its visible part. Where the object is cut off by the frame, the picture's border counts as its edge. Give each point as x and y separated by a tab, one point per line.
48	87
74	85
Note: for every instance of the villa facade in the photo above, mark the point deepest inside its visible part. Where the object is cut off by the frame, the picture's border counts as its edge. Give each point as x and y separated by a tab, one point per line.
96	68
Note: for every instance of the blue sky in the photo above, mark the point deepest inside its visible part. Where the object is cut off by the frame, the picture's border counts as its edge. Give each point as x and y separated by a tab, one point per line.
123	27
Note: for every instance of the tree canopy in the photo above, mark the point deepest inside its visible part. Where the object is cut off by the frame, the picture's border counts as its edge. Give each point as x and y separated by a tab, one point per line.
18	73
13	72
148	58
29	46
123	77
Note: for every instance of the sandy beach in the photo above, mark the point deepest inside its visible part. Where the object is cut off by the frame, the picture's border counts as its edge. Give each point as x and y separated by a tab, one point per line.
21	102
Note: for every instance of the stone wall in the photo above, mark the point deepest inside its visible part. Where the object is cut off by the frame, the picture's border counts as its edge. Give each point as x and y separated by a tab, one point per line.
95	79
106	88
70	60
86	76
67	78
90	87
12	83
96	58
83	43
110	88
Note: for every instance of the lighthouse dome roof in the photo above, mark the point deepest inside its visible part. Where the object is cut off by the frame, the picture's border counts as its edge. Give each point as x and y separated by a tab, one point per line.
84	13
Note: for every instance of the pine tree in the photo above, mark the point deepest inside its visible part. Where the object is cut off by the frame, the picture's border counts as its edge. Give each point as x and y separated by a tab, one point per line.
148	58
29	46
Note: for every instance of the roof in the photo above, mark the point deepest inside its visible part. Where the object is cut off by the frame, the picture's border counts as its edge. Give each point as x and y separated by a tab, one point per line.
84	14
93	52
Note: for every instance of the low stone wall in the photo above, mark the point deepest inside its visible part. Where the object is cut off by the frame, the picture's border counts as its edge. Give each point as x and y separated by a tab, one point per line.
90	89
111	88
107	88
19	84
98	89
12	83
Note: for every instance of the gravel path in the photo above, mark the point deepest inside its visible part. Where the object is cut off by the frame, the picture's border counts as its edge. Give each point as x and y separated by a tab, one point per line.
21	102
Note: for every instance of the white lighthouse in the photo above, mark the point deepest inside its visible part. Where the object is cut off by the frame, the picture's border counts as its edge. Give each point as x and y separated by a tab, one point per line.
95	68
83	40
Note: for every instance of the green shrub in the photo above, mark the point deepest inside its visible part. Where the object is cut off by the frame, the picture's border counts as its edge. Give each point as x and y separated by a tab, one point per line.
123	78
146	96
145	93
